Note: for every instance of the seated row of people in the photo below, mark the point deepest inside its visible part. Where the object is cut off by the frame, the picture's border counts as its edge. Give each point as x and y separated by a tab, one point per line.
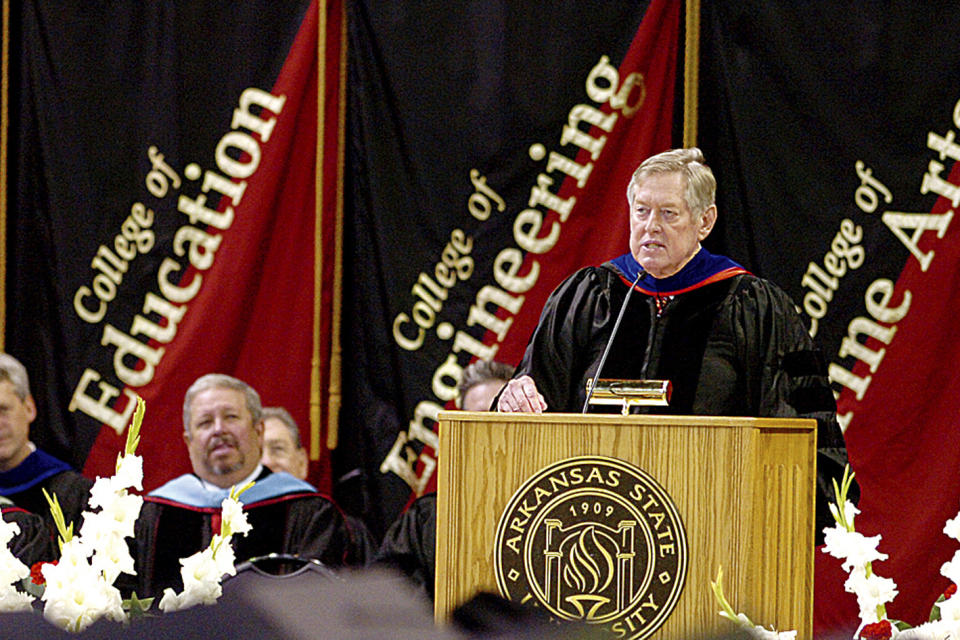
224	434
231	441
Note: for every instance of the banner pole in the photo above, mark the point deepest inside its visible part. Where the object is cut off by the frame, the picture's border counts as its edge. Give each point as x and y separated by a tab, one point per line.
4	142
691	73
335	395
316	399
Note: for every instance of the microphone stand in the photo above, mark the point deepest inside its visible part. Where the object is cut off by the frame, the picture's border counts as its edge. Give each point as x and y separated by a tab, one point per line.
613	334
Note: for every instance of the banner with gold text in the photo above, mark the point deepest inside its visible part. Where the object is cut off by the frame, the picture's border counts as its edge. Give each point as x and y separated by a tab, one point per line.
832	129
489	149
162	215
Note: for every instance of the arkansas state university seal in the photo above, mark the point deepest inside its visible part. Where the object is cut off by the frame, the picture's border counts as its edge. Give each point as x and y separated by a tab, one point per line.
594	539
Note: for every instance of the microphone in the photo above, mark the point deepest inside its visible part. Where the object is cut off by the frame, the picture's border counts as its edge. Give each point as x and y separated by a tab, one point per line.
613	334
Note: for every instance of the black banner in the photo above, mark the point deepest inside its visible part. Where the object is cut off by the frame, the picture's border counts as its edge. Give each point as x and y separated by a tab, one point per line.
831	128
488	155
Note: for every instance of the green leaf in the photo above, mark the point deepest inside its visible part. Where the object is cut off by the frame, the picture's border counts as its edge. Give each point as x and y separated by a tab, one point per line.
935	609
900	624
726	609
66	533
28	586
236	492
136	607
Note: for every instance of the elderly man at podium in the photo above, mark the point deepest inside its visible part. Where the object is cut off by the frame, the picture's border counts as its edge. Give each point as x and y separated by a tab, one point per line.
729	342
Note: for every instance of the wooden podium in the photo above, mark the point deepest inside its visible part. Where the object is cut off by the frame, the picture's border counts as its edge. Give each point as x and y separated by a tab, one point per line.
743	489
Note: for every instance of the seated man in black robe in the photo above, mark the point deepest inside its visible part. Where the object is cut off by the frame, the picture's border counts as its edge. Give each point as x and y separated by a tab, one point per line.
283	451
223	431
410	544
731	344
25	471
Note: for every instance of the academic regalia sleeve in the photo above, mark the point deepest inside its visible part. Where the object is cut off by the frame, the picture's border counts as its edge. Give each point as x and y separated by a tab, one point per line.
33	544
73	493
789	378
574	316
316	528
410	543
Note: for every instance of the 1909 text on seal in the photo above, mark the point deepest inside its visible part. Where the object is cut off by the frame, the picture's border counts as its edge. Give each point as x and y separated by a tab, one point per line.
595	539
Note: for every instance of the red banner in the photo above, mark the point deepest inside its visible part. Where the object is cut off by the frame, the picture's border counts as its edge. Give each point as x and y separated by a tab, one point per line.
200	255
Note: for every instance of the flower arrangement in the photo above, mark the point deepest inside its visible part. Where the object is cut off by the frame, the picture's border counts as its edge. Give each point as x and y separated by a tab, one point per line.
858	552
203	571
873	592
78	589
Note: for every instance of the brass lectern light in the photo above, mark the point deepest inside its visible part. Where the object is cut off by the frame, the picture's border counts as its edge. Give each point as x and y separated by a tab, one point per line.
630	393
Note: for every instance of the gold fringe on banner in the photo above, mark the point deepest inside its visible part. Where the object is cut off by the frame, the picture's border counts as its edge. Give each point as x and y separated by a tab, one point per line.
691	73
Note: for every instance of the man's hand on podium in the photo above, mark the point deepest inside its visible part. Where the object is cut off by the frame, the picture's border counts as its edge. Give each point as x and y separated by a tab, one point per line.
521	394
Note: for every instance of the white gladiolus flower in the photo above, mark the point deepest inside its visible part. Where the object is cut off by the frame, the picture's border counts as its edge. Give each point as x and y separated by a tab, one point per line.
76	594
871	592
129	473
855	549
8	531
101	493
113	558
850	512
759	633
201	582
123	512
200	567
234	519
11	571
225	557
12	600
170	600
937	630
950	610
201	593
116	518
203	571
951	568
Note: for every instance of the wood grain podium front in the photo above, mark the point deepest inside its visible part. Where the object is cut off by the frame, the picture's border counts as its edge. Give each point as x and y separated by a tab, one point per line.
522	501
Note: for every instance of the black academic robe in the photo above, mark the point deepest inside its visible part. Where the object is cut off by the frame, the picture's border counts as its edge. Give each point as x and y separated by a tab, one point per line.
24	486
410	544
301	522
33	544
733	346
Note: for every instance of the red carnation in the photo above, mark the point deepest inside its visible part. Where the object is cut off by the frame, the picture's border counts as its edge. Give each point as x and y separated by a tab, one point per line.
36	572
882	630
952	589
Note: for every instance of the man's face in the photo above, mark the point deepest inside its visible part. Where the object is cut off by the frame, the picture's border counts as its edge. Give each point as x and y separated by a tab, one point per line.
223	442
663	232
15	418
480	396
280	452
